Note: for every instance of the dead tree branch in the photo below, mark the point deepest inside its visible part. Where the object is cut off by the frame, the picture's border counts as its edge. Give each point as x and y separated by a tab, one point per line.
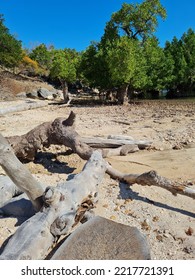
151	178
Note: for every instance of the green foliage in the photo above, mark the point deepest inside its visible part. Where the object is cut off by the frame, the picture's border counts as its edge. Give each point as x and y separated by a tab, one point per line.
64	65
122	58
10	49
188	44
175	50
94	67
158	67
88	65
182	53
110	34
121	61
42	55
138	20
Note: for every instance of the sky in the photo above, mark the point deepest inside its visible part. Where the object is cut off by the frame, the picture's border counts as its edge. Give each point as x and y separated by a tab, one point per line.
75	23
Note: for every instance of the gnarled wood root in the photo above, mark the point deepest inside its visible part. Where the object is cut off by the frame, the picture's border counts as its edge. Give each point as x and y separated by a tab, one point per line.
62	132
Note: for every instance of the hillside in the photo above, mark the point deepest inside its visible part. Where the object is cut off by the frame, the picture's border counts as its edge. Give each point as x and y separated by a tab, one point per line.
11	85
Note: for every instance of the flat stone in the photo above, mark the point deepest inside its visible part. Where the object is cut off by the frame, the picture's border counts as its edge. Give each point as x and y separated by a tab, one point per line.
45	94
32	94
100	238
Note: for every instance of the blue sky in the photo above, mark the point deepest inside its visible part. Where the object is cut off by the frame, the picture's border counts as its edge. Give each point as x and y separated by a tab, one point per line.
75	23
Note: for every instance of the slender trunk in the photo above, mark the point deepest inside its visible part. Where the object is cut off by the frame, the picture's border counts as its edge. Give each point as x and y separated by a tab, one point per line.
122	94
65	91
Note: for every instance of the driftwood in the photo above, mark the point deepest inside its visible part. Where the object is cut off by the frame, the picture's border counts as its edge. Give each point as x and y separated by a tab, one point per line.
61	208
61	132
151	178
114	143
26	105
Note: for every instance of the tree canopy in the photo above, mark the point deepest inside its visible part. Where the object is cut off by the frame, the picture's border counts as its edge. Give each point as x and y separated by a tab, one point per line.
130	58
182	53
64	67
43	55
121	49
11	52
138	21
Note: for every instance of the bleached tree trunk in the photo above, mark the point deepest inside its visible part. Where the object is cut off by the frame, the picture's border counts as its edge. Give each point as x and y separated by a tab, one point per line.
19	174
97	142
64	206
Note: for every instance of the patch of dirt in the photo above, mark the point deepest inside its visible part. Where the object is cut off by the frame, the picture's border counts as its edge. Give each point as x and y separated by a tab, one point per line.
168	221
11	85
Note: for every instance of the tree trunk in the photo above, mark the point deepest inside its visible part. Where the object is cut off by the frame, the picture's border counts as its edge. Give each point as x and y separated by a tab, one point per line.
122	95
23	107
97	142
65	91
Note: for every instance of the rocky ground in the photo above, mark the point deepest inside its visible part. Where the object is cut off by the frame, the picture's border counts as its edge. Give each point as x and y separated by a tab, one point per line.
168	221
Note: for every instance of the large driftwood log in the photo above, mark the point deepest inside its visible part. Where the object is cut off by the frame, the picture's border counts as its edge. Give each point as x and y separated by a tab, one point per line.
26	105
63	207
61	132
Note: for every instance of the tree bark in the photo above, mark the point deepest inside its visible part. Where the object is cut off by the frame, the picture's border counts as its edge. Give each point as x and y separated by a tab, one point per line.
122	94
65	91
